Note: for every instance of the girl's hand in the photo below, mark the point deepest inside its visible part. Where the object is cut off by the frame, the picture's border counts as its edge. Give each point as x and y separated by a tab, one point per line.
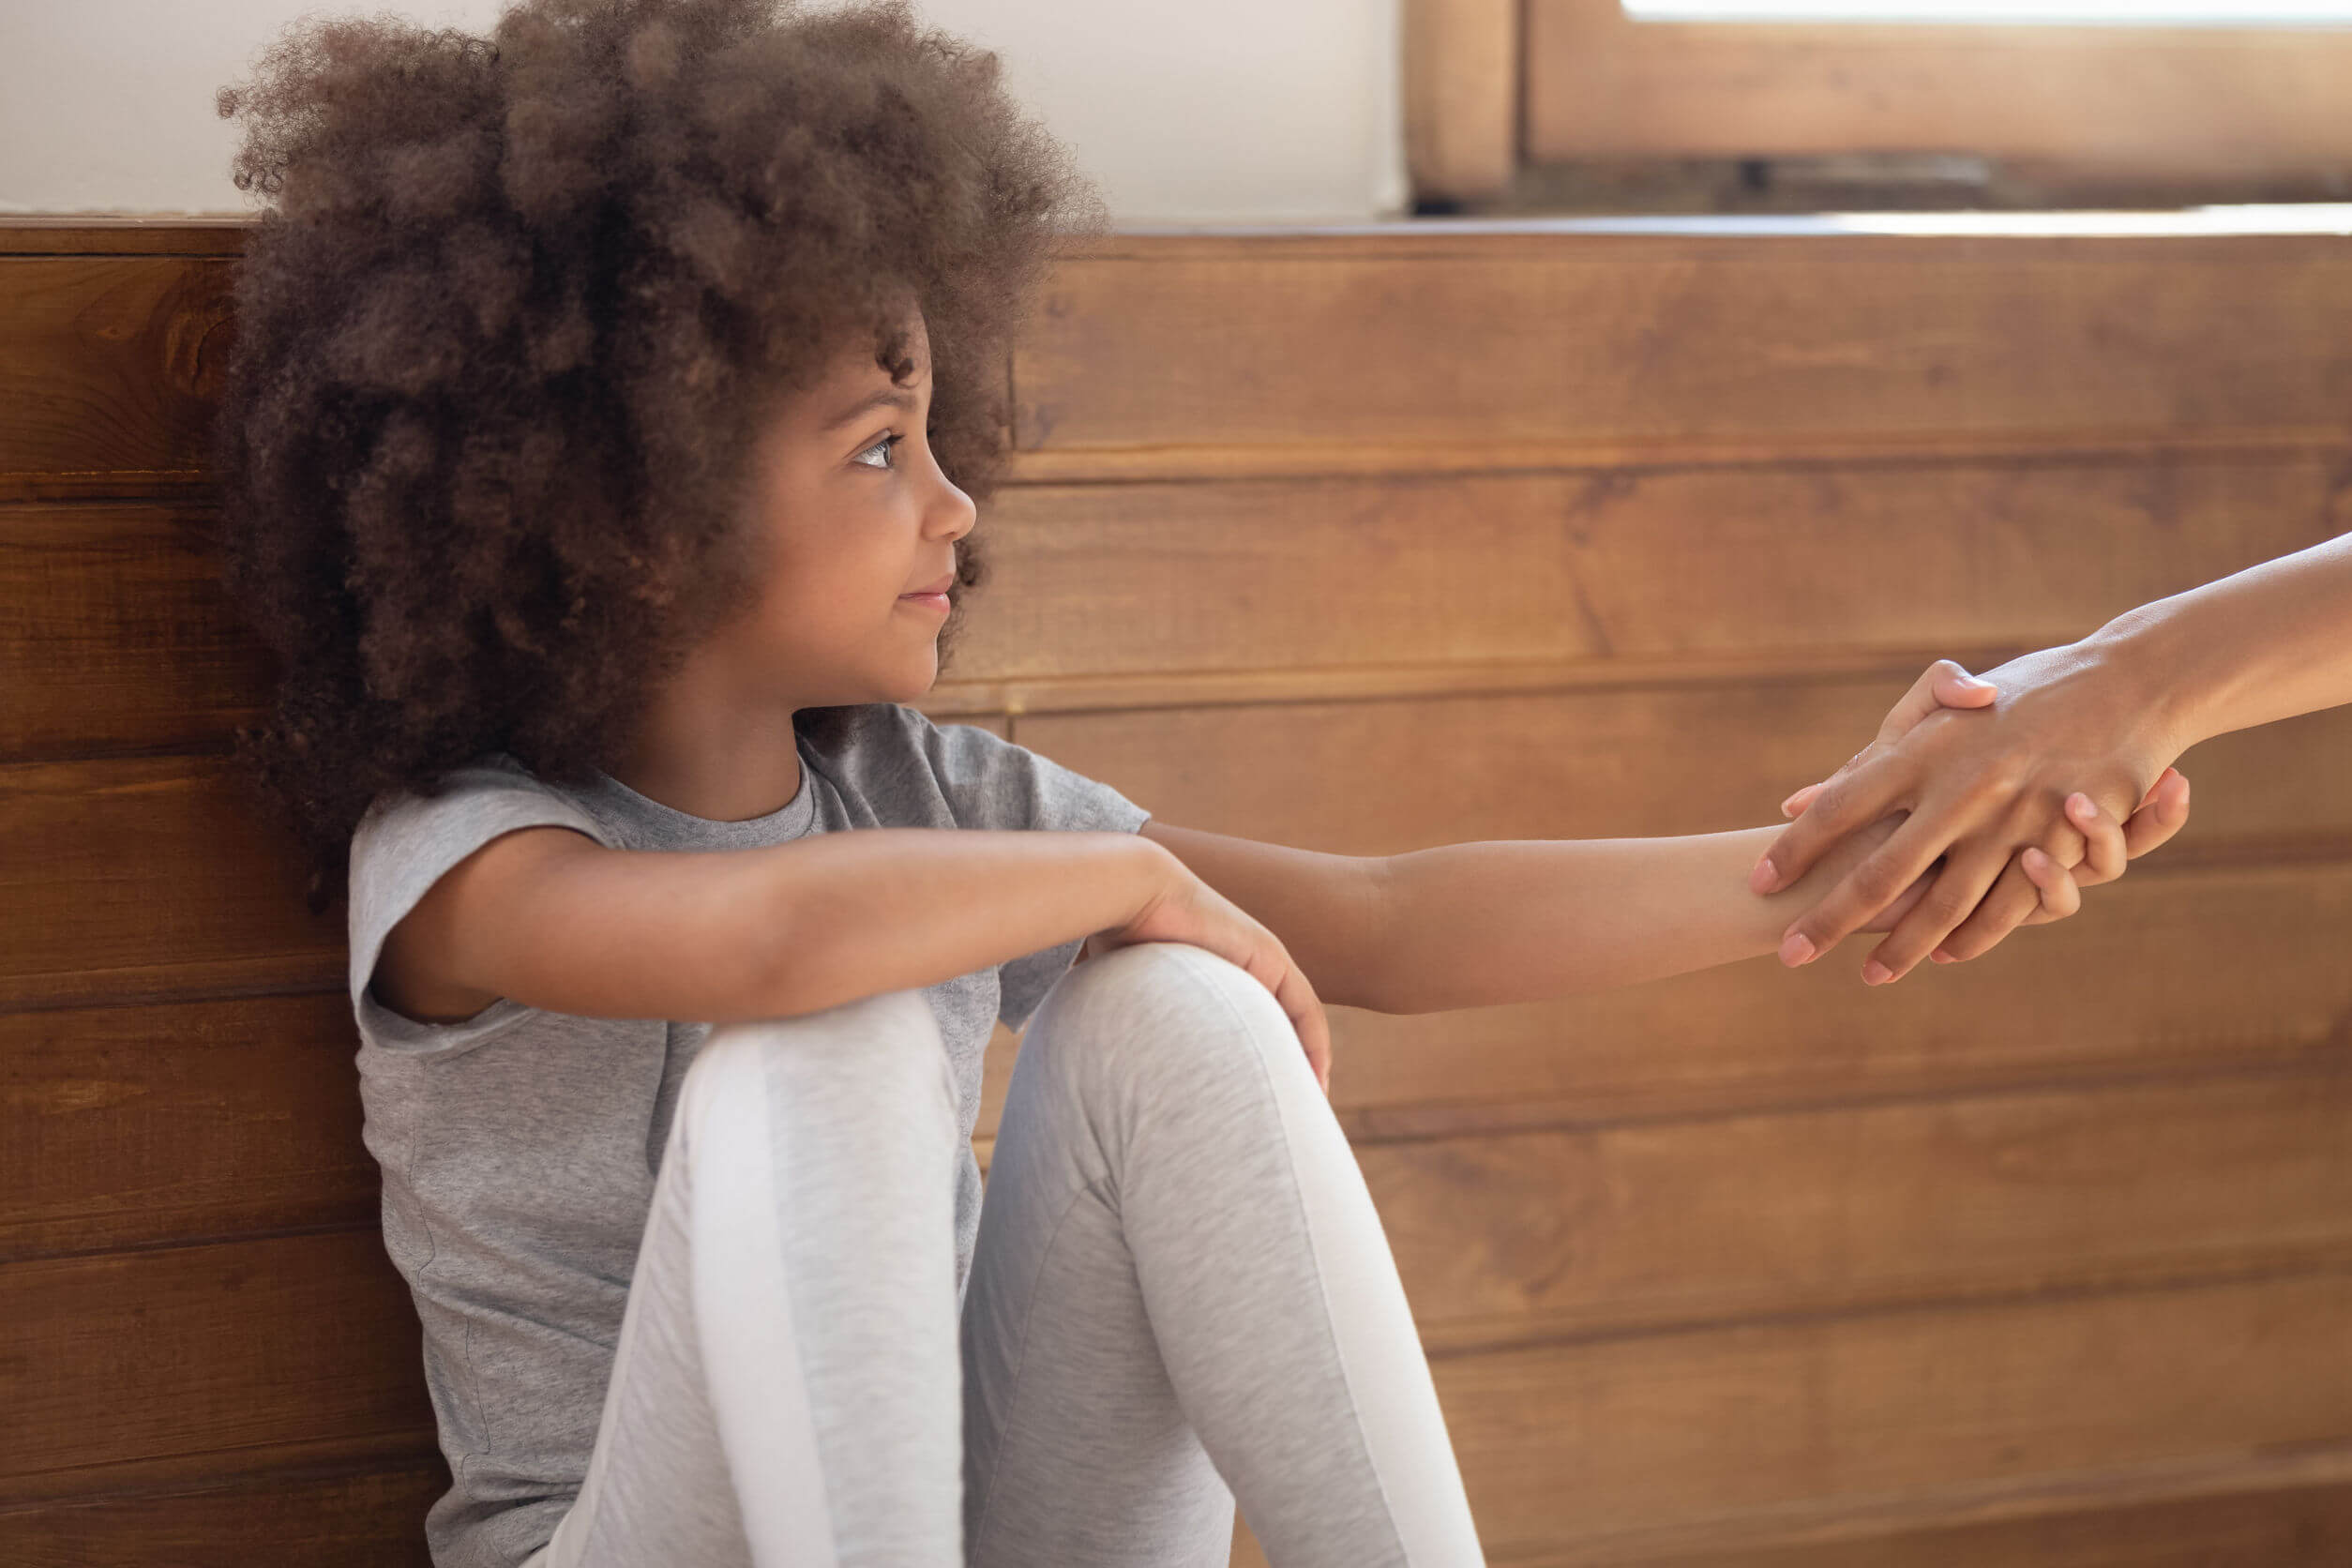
1187	910
2109	848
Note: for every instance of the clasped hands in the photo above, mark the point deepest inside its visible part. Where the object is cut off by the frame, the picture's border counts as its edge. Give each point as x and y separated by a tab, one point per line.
2010	793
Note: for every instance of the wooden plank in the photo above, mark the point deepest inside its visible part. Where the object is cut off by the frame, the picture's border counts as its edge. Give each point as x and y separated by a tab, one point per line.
340	1517
97	234
2275	1527
2149	102
1615	1226
1644	338
2292	1512
120	637
1375	777
127	642
146	877
1568	568
109	368
135	1126
149	877
2160	971
144	1355
1592	1444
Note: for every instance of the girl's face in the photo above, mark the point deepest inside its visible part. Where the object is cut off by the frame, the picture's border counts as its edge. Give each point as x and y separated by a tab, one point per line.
859	529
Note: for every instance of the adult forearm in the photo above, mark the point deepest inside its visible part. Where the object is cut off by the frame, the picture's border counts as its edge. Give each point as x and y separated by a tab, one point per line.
2267	643
855	914
1473	924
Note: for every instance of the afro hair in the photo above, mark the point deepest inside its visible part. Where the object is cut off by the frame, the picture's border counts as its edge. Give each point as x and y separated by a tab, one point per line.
508	323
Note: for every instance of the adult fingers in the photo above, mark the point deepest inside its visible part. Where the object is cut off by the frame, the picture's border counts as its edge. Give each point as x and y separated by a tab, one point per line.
2104	855
1843	804
1970	871
2161	813
2060	889
2015	900
1944	684
1883	876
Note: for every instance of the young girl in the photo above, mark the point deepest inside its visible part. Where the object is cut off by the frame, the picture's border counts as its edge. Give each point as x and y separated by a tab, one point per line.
608	408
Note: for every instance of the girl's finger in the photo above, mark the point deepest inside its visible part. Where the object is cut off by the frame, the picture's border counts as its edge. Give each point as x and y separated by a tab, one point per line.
2015	900
1795	805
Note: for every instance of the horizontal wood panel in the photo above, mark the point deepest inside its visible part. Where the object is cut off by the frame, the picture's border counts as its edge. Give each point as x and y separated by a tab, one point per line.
2273	1527
1575	1444
128	642
140	877
2262	1513
1635	339
96	235
148	877
1624	1225
2159	970
1258	575
368	1519
143	1355
120	637
1376	777
131	1126
109	367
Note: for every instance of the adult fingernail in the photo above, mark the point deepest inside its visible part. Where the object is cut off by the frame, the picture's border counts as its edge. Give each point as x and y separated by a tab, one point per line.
1765	878
1875	974
1796	949
1939	955
1788	807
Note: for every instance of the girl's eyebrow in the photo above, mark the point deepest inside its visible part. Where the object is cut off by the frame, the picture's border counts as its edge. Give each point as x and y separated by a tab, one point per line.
890	398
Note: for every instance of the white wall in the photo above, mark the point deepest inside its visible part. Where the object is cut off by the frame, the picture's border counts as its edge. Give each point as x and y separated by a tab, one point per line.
1185	110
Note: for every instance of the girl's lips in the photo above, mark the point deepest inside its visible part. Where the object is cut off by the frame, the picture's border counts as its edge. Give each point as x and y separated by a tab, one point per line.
929	601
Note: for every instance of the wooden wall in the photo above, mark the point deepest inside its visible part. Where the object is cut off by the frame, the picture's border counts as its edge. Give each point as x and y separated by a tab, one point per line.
1364	541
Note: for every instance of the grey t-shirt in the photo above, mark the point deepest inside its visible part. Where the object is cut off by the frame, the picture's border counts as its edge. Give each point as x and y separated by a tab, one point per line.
520	1146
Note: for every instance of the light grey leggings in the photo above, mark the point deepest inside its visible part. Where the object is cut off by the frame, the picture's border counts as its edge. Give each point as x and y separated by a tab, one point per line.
1180	1284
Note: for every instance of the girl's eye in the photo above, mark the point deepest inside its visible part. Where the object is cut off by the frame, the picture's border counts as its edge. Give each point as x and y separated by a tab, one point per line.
884	446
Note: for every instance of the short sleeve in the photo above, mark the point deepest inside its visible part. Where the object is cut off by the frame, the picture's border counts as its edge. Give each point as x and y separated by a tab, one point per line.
991	783
403	845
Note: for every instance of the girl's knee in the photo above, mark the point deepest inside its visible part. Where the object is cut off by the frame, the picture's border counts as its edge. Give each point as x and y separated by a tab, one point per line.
1162	1011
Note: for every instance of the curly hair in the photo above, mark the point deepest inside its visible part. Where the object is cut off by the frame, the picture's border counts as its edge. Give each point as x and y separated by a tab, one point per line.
505	337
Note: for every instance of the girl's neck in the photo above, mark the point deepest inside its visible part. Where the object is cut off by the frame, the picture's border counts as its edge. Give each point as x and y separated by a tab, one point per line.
701	749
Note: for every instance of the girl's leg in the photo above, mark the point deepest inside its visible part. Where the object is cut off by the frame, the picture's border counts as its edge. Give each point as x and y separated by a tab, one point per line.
785	1390
1177	1240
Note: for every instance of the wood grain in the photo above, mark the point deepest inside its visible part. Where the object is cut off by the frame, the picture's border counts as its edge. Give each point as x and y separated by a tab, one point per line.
1614	565
109	368
120	637
1574	1444
135	1126
1641	339
144	1355
150	878
337	1518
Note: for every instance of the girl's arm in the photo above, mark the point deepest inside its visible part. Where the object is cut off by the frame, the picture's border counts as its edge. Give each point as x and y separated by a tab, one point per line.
1471	924
553	920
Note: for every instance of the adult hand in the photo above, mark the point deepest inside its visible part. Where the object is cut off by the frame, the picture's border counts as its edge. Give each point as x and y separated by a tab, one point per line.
1979	787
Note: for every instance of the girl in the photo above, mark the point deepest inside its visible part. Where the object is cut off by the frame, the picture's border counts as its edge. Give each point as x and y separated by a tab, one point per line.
609	406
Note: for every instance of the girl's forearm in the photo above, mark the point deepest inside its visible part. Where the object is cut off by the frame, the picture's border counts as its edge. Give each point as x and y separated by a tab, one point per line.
855	914
1472	924
2269	642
